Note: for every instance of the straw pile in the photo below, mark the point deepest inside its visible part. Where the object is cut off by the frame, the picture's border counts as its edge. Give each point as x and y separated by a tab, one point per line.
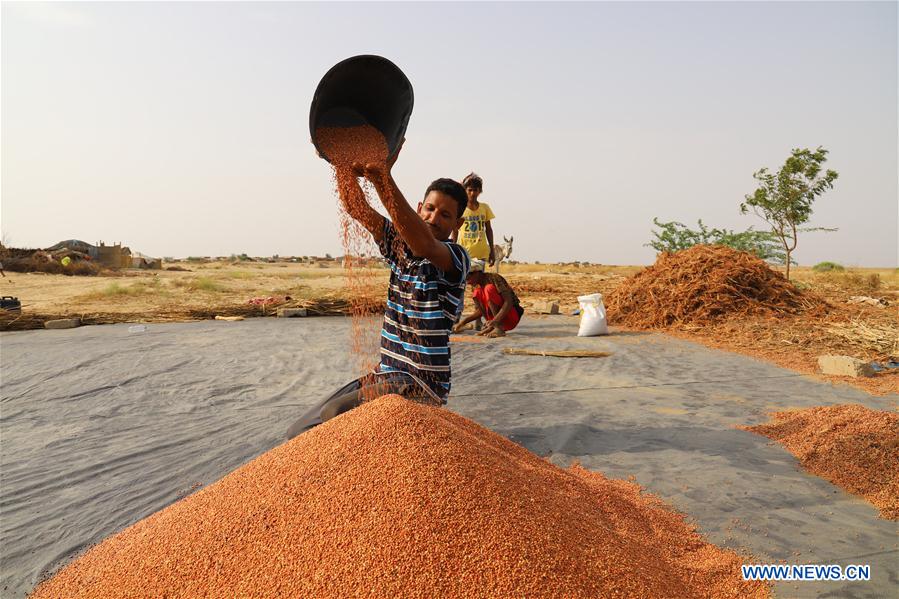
853	447
396	499
881	338
704	283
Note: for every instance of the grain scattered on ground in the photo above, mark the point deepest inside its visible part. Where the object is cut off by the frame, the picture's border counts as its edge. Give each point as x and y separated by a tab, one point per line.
854	447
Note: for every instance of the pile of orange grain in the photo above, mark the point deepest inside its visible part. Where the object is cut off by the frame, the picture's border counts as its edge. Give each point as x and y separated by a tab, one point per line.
852	446
704	283
396	499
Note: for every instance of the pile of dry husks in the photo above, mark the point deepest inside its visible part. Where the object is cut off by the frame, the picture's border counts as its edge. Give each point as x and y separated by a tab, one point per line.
704	283
852	446
395	499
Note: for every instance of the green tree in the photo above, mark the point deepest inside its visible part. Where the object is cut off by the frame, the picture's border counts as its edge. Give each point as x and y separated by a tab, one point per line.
784	199
762	244
674	236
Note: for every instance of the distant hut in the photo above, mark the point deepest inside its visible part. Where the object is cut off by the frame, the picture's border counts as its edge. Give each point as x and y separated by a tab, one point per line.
114	256
74	245
139	260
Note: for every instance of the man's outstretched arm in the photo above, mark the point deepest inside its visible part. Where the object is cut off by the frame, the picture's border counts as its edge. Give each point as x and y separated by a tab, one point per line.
410	226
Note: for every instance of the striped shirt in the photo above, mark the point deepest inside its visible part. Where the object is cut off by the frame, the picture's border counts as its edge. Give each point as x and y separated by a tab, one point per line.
422	307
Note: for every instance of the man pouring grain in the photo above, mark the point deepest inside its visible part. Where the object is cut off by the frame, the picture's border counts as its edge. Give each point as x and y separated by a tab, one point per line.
424	296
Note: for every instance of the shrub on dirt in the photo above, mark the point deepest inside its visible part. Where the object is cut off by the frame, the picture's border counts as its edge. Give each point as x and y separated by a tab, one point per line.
198	284
849	281
870	281
143	287
207	284
827	267
674	237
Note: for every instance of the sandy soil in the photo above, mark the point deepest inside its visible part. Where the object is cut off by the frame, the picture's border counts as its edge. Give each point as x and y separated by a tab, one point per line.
153	293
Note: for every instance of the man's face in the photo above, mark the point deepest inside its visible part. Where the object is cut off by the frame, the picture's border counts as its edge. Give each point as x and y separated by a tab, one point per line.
473	193
441	213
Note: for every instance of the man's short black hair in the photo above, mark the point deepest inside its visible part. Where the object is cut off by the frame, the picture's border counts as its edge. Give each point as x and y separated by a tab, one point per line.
473	181
451	188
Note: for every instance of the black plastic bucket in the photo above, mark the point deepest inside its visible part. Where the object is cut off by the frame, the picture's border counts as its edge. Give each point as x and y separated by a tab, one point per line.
363	90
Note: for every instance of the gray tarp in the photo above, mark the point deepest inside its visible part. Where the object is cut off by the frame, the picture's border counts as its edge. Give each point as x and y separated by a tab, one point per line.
100	427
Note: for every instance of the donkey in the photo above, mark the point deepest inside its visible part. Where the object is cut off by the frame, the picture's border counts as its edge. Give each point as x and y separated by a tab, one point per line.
502	251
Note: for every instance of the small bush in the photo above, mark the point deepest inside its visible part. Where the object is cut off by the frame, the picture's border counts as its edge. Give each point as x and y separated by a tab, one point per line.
206	284
238	274
143	287
116	289
857	280
198	284
853	281
674	236
137	288
827	267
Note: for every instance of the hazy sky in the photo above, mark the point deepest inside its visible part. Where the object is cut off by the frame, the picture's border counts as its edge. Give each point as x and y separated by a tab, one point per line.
182	128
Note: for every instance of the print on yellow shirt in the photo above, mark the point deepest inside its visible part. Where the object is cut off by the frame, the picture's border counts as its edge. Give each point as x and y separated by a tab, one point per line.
473	234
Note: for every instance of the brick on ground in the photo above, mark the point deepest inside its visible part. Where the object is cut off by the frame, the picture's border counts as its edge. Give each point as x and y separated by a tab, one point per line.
546	308
844	366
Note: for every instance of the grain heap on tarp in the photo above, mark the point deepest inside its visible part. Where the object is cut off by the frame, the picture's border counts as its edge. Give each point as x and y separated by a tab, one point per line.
852	446
396	499
704	283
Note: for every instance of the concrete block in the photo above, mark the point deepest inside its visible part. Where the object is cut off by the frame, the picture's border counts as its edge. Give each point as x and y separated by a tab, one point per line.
63	323
546	308
871	301
844	366
291	312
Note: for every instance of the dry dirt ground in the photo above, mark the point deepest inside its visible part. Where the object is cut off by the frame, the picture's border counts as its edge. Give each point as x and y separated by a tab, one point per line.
226	288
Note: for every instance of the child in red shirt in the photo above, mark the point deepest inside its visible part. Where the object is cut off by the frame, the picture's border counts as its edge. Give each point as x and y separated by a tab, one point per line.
494	299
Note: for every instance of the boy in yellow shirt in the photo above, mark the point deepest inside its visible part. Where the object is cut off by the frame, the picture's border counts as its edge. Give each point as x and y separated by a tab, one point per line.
476	233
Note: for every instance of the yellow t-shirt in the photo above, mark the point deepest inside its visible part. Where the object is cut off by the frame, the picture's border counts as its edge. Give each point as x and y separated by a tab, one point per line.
473	233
